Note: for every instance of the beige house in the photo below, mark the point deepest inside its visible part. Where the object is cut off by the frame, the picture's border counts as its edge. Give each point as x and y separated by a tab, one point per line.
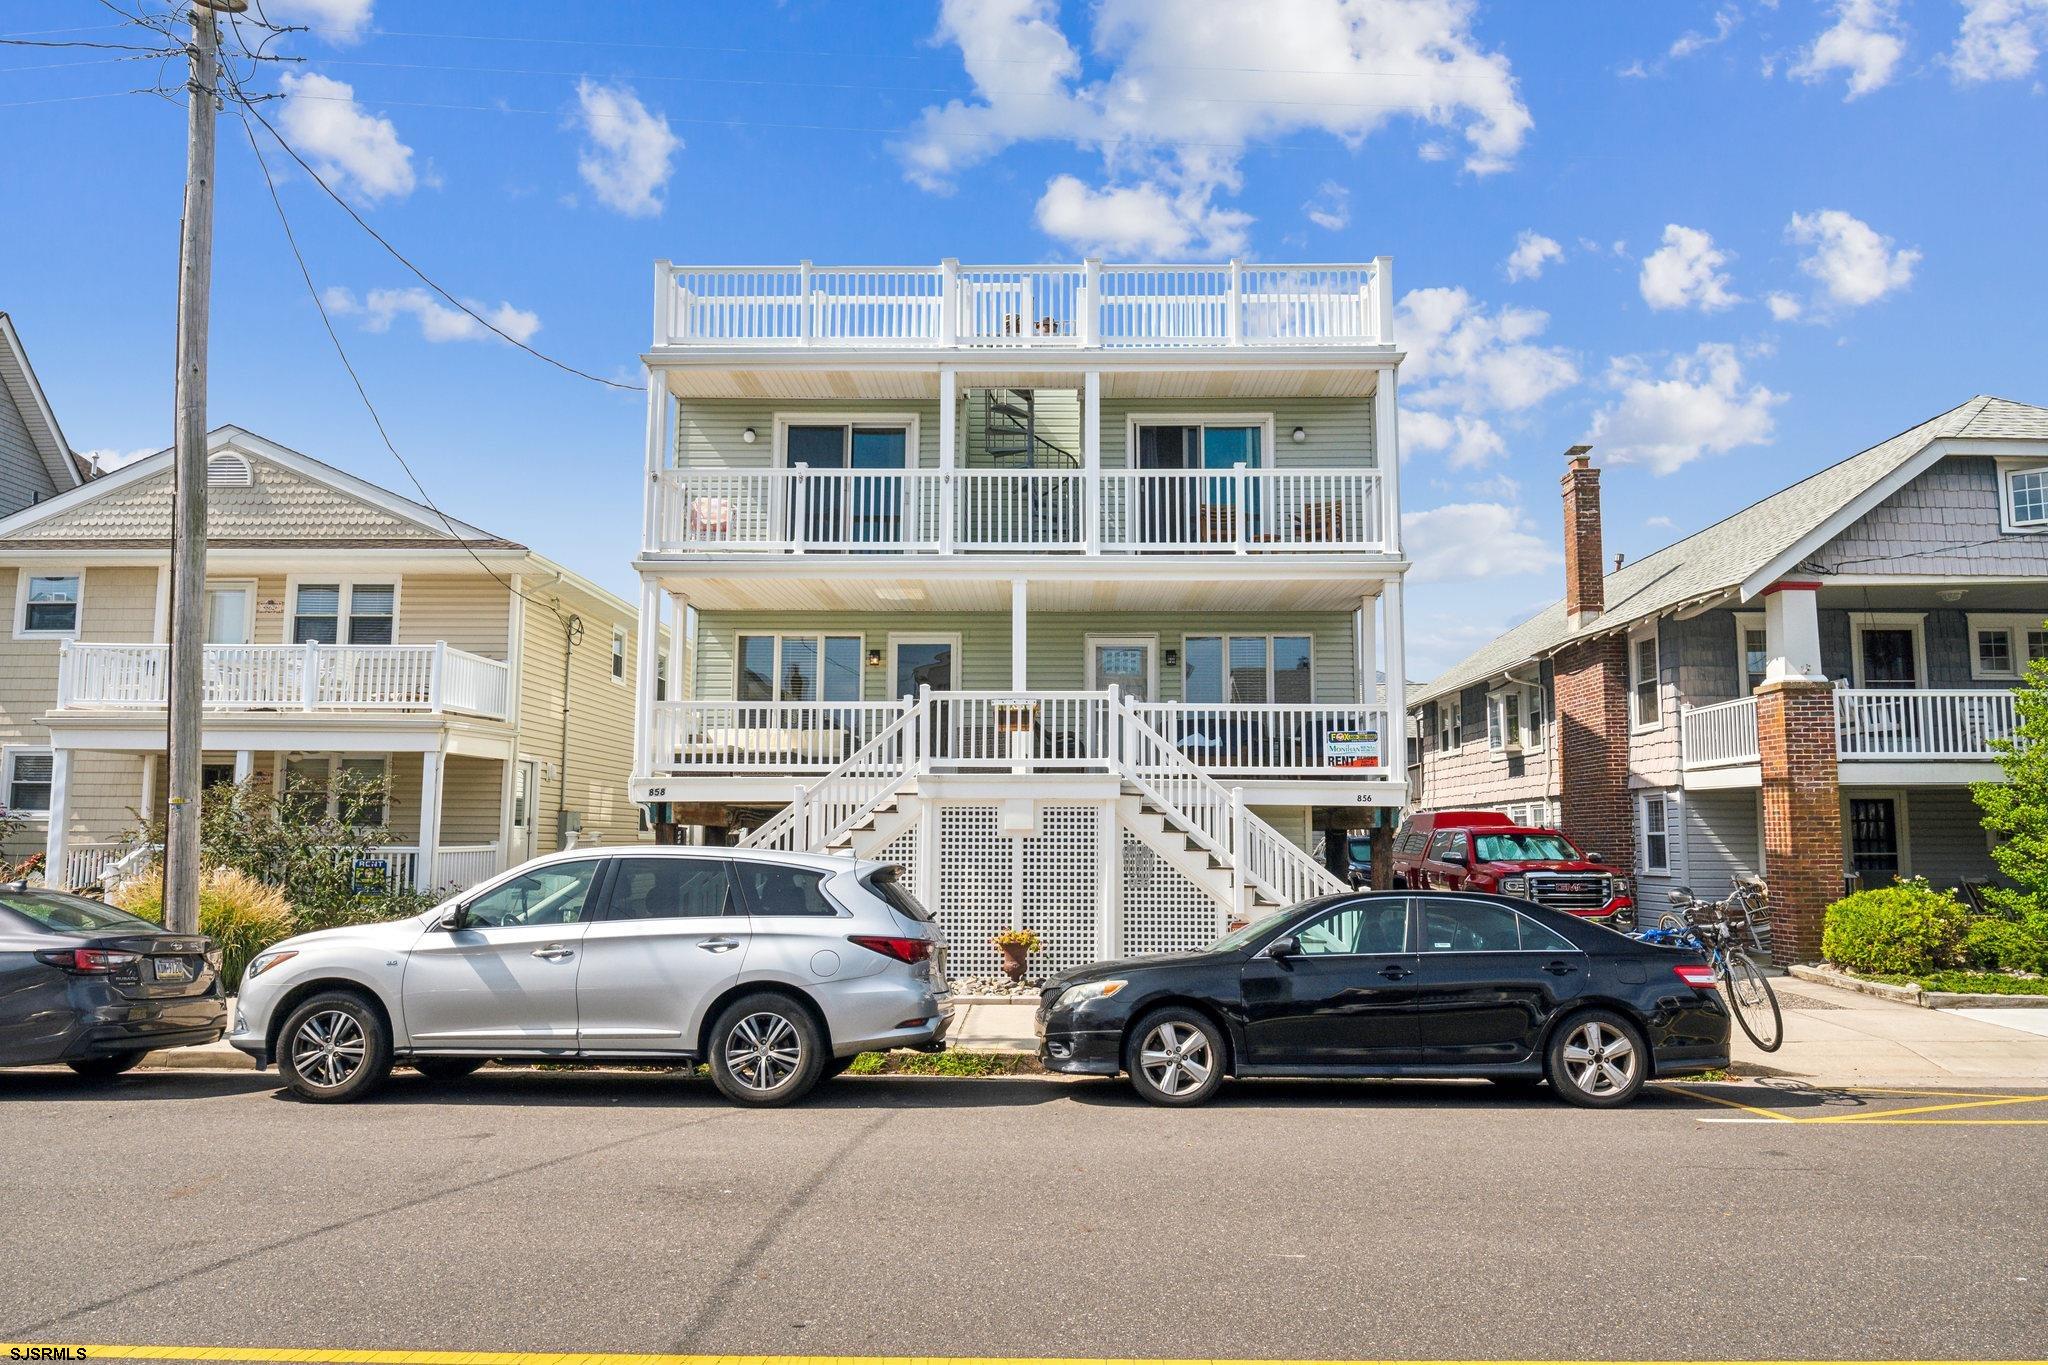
349	629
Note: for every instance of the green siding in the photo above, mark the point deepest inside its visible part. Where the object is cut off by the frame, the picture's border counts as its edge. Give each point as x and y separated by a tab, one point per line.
1057	644
1339	429
1058	420
708	430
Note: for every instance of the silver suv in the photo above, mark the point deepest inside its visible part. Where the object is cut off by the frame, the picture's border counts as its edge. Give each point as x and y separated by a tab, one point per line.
775	968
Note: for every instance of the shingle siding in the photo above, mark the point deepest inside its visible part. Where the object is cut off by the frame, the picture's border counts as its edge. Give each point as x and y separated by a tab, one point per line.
24	477
1943	522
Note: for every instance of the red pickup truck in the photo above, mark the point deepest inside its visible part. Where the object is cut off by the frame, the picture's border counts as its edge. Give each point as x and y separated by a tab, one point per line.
1483	850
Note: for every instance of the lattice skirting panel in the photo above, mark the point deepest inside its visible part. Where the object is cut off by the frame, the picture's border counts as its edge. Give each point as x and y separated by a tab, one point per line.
989	881
1163	912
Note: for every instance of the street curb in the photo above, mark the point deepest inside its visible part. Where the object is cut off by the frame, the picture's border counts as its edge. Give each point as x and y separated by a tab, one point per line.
198	1058
1913	995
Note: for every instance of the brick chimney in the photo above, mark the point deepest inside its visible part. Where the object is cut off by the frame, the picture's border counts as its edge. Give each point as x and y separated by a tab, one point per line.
1585	591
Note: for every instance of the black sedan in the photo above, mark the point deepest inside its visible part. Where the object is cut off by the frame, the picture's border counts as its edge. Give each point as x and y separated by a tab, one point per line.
1392	984
96	988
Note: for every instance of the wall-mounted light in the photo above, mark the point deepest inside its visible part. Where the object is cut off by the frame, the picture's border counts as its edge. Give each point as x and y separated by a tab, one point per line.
748	436
1170	657
874	658
1300	434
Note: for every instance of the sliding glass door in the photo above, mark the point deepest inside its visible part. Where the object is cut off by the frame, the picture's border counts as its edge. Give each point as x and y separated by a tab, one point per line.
1182	510
845	510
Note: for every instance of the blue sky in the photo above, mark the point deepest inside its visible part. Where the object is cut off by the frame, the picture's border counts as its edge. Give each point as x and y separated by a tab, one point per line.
1726	243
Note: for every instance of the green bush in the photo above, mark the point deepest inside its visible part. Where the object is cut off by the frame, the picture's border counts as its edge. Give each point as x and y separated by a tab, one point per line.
1906	927
236	911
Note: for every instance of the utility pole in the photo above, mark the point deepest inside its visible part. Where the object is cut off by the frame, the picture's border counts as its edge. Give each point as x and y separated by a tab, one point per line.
188	528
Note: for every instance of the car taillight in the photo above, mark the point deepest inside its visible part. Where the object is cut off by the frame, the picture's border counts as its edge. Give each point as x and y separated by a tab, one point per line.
1700	978
902	949
94	960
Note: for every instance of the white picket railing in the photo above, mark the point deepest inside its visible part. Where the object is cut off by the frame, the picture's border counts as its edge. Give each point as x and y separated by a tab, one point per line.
1894	725
1044	731
1240	510
765	736
980	306
307	677
1717	735
86	864
827	808
459	867
1273	739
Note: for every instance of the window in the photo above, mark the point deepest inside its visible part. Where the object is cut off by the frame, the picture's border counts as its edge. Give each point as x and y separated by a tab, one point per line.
799	668
1247	668
29	773
2026	498
661	676
316	614
1447	845
49	604
2003	646
1876	852
1752	652
1376	926
772	889
1520	846
1504	722
1469	926
618	655
1994	653
353	790
372	612
554	894
1656	834
1541	938
1644	708
1449	727
1532	716
668	888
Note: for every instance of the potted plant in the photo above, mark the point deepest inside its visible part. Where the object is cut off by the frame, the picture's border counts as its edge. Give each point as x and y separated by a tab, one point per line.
1016	945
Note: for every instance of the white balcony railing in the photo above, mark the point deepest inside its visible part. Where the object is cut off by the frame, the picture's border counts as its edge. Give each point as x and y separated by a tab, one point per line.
1036	731
1888	725
995	511
1718	735
308	677
1034	306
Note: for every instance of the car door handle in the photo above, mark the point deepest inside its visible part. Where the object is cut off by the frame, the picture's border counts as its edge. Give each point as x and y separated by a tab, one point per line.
1394	971
1560	968
554	952
719	945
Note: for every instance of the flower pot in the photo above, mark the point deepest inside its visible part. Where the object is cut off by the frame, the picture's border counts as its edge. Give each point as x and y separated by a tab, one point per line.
1014	958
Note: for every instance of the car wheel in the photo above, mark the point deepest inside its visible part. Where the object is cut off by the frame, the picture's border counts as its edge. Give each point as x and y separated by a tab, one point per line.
446	1068
766	1050
334	1048
1175	1057
107	1067
1597	1060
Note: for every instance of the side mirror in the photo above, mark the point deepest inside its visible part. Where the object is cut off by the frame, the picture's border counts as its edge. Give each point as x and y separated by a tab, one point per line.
1285	946
1457	857
1595	858
458	918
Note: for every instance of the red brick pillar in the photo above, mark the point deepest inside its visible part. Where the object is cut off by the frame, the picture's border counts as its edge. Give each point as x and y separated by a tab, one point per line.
1591	686
1802	834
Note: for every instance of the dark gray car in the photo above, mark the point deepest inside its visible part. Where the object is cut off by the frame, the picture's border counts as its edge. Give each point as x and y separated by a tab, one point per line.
95	988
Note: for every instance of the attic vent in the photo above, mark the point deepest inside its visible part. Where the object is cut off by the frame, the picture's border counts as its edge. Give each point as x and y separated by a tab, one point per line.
227	471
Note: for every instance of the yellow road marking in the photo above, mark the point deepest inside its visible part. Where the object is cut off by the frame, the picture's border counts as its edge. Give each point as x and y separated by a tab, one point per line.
1916	1094
1732	1104
325	1357
1925	1109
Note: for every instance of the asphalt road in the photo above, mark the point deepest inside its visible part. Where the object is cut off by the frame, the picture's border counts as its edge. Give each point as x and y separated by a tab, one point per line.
906	1216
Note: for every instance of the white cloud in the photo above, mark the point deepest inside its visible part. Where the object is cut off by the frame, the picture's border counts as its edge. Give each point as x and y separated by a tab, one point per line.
1145	219
1660	523
437	321
1700	405
1784	307
1854	263
1532	252
1866	41
338	21
1686	272
1693	40
1330	210
1473	540
1190	84
1470	441
1459	353
628	151
2000	40
351	149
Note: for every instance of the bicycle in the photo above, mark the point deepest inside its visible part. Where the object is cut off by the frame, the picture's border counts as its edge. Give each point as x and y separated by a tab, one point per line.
1713	927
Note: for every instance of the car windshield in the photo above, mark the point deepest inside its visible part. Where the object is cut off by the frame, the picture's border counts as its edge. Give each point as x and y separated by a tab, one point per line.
62	914
1361	850
1524	846
1251	933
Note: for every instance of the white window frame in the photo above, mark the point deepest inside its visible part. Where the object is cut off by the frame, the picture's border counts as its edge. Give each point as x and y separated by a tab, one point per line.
8	757
334	762
1667	806
907	421
1501	738
1636	639
1915	621
915	637
1268	453
1150	643
2015	625
661	675
346	585
621	665
22	575
1269	636
1745	622
817	638
2008	521
1449	724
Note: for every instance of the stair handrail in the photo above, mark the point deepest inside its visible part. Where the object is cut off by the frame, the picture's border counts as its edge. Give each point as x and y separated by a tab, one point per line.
835	802
1214	815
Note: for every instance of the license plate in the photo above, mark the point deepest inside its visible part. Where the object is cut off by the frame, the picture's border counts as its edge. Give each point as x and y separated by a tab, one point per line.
172	968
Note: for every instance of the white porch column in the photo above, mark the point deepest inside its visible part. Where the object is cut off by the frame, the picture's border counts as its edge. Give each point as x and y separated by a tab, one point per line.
145	806
1091	459
430	819
1020	594
1386	452
1792	632
1368	654
1109	882
657	429
949	444
1394	734
55	849
245	763
678	644
647	661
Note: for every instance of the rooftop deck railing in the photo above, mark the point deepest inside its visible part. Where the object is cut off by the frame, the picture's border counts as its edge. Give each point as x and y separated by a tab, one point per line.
1089	305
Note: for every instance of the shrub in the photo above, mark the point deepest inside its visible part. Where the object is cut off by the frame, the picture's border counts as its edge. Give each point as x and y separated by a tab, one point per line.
1906	927
236	911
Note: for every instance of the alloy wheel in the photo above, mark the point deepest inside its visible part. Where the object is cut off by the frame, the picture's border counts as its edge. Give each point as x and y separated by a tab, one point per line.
329	1048
763	1050
1176	1058
1601	1059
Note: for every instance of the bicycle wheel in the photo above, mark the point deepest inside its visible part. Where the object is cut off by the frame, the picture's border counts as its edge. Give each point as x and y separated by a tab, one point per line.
1754	1002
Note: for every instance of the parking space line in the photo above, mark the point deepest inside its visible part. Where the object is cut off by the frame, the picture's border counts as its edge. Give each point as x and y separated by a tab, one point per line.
1764	1115
1926	1109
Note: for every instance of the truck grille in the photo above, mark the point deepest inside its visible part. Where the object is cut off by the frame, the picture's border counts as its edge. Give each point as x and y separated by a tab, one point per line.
1570	891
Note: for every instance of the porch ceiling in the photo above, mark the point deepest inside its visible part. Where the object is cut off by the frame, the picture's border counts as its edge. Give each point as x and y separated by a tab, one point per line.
1225	583
843	378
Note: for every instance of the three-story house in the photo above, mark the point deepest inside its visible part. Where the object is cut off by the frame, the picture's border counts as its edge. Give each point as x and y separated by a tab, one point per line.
1065	588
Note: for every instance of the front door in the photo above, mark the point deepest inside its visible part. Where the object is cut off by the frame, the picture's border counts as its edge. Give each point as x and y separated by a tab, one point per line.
671	938
1889	657
230	613
1125	664
525	804
920	661
1874	852
1345	999
508	977
1490	980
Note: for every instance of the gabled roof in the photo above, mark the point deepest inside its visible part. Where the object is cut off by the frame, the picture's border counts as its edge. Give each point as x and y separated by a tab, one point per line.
1754	547
291	499
21	384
